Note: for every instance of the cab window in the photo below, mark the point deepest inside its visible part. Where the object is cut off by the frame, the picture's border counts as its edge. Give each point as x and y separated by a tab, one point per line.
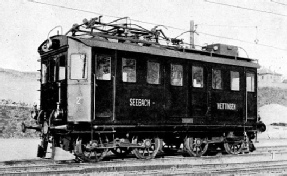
129	70
62	68
48	71
176	77
153	75
197	76
250	82
216	79
103	68
44	73
78	67
51	71
234	80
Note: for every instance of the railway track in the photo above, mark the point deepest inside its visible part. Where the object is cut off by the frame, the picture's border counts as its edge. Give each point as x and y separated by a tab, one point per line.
264	160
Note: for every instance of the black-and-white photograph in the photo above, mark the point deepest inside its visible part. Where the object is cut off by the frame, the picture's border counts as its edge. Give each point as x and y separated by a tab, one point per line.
142	87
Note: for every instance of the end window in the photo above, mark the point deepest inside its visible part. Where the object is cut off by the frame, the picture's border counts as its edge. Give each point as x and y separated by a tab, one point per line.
197	76
78	67
129	70
250	82
62	68
235	80
176	75
216	79
44	73
103	68
153	76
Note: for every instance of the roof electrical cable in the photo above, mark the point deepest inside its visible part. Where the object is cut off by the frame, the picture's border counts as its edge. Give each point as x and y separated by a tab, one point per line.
255	43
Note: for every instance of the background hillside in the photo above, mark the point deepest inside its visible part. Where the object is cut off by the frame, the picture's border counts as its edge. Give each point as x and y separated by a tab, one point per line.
272	95
19	86
18	92
11	118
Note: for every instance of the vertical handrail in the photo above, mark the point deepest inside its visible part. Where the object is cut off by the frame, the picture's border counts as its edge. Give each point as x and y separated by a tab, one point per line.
95	86
114	98
114	87
246	96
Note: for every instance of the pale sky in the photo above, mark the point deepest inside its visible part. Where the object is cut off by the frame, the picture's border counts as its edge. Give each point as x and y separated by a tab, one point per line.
25	24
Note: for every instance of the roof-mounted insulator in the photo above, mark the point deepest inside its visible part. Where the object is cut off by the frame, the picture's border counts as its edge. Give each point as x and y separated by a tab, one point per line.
175	41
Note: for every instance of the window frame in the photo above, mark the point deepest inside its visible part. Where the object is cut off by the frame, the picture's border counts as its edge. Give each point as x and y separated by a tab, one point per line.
252	81
231	83
44	73
60	68
158	73
126	58
97	66
221	79
202	76
171	74
86	67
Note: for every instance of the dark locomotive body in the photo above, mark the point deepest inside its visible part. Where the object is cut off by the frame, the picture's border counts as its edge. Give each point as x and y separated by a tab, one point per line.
99	95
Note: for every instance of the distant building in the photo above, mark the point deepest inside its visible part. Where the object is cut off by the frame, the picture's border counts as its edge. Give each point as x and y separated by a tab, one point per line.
266	76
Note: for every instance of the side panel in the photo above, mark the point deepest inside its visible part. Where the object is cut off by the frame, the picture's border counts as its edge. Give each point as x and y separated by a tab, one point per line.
79	88
137	100
176	85
153	98
104	79
228	102
251	91
198	92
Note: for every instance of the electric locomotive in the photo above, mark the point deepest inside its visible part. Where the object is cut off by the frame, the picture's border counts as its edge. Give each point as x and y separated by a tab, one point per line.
116	87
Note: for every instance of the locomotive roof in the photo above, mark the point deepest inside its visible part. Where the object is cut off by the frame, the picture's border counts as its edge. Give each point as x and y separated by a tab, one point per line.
158	50
171	52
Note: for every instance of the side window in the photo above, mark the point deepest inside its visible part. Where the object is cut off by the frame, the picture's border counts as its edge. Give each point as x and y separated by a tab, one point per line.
103	68
129	70
44	73
197	76
62	68
216	79
176	77
234	80
78	67
55	78
250	82
51	72
153	76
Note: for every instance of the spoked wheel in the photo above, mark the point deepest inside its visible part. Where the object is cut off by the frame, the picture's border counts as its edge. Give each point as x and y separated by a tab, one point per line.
233	147
195	146
148	147
89	153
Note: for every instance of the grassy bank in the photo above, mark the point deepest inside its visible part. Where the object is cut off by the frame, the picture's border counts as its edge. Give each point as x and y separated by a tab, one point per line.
270	95
11	117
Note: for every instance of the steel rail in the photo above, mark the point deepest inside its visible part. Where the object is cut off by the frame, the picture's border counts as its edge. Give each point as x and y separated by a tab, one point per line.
190	165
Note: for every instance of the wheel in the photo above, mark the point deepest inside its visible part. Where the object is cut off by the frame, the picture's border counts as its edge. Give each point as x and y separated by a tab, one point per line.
233	147
195	146
148	147
90	152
